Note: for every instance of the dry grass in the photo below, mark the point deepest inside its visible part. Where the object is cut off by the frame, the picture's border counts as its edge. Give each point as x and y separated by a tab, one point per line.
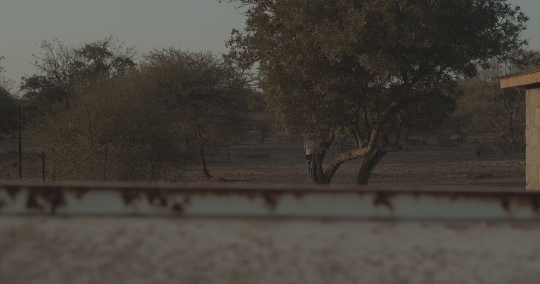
281	160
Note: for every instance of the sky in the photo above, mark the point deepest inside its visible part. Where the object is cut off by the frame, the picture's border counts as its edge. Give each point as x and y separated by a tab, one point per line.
195	25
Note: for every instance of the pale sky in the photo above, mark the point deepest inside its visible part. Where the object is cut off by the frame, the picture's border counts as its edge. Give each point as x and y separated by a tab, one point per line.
187	24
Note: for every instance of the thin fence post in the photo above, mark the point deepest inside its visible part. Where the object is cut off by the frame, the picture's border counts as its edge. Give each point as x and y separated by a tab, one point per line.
20	138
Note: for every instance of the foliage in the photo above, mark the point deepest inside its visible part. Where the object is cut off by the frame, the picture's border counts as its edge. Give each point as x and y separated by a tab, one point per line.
369	68
8	112
61	67
115	130
112	120
5	83
8	107
262	122
207	99
494	116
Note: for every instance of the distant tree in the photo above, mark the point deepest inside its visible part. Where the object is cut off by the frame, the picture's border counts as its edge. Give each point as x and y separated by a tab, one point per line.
207	99
261	122
41	91
368	68
5	83
113	130
495	116
61	67
259	118
8	112
8	107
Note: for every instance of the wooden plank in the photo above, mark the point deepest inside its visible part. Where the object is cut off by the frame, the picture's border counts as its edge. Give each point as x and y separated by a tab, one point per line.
524	80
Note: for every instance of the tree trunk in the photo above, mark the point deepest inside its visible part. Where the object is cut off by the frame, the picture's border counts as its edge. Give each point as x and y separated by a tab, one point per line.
202	159
367	167
317	172
264	134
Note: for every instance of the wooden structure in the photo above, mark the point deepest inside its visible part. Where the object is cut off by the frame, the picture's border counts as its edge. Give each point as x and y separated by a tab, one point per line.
531	81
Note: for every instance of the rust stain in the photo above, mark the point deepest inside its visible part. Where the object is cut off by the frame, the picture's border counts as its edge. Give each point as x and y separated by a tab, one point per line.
12	191
535	203
156	198
32	204
383	198
505	203
417	195
528	200
187	200
177	208
53	197
56	200
79	192
299	195
507	200
270	201
129	196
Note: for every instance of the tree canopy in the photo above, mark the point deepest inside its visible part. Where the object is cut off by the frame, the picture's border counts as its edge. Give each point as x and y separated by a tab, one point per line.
61	67
368	68
142	123
495	117
208	100
114	130
8	108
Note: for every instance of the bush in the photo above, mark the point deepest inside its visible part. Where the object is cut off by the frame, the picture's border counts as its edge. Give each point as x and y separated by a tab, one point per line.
115	130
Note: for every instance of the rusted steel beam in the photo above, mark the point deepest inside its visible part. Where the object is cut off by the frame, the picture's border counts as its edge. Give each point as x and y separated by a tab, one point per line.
116	199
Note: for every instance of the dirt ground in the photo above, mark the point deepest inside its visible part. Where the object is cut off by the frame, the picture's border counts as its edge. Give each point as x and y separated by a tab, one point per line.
281	160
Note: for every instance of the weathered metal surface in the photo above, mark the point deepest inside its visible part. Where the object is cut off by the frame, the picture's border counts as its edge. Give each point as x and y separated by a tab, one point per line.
86	250
56	233
261	201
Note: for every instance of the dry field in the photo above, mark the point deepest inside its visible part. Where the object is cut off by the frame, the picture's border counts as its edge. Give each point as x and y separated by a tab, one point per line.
281	160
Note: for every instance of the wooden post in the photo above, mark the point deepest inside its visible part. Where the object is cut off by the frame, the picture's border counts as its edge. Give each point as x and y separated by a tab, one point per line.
531	81
20	138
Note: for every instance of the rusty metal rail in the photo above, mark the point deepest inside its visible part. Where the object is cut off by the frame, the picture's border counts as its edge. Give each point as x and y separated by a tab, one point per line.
119	199
270	234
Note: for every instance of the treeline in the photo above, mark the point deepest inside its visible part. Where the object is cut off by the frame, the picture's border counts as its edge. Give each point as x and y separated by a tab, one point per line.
122	117
376	71
488	115
102	112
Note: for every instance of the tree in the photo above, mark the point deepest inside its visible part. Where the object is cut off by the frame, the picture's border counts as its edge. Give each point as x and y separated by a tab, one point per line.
8	107
207	99
61	67
5	83
495	116
113	130
368	68
259	118
8	112
261	122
